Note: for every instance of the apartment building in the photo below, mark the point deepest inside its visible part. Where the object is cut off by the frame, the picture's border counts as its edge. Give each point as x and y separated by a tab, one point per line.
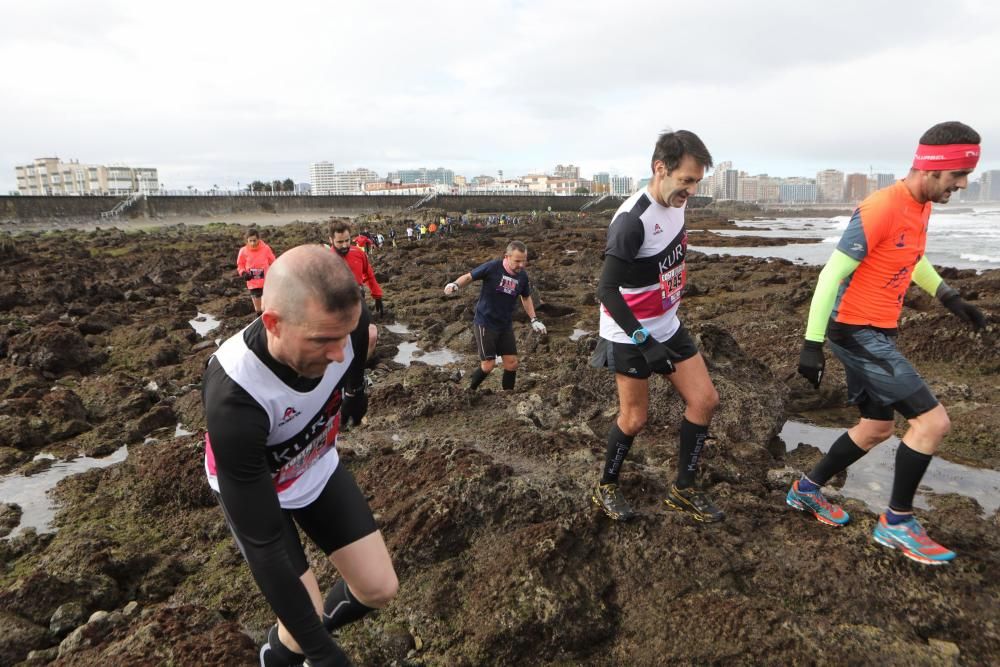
51	176
327	181
321	178
830	186
423	176
567	171
855	188
622	185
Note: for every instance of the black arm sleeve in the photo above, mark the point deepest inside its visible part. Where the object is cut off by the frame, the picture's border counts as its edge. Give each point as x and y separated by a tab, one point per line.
238	428
354	378
613	276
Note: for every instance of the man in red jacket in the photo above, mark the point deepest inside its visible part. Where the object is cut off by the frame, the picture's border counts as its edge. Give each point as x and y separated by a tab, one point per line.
340	241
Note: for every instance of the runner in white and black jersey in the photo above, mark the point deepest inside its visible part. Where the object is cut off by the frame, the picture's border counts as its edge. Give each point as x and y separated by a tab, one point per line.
639	290
275	395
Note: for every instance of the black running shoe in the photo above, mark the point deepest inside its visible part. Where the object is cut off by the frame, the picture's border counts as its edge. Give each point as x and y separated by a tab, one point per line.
694	503
610	499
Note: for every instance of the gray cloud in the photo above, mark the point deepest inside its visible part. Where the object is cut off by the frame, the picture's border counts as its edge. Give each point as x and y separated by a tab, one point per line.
236	91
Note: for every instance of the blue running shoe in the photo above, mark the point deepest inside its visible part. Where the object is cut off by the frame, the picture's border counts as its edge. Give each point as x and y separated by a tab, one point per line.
821	508
911	538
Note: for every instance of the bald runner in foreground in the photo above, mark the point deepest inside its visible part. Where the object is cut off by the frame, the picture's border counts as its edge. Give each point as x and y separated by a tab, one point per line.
275	396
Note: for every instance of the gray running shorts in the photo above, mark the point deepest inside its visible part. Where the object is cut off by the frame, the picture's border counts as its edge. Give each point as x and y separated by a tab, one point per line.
880	379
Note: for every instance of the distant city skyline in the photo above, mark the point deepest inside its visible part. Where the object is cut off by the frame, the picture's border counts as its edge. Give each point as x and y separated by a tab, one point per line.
725	181
782	88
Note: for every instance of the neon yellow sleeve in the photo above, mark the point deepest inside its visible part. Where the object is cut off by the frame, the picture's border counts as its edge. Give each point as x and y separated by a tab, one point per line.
837	268
926	277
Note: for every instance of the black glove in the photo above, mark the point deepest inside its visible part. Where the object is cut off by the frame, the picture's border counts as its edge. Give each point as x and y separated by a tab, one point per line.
657	356
378	306
812	362
964	310
354	407
246	275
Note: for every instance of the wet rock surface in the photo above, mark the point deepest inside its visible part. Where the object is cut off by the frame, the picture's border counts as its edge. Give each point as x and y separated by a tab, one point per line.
484	499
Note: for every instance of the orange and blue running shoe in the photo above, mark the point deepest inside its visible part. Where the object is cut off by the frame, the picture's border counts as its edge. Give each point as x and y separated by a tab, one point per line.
813	501
911	538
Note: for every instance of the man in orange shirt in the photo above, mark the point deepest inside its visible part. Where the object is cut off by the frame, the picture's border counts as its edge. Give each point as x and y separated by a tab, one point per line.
856	307
252	263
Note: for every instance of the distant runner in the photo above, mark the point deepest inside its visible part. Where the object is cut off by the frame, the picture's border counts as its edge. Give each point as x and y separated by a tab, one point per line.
276	395
252	263
365	243
856	306
640	290
504	282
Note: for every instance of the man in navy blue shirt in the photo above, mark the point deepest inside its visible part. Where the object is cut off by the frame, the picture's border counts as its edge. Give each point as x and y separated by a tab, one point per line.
504	281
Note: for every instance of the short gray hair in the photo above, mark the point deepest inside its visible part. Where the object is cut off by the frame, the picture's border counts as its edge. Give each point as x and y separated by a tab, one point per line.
516	245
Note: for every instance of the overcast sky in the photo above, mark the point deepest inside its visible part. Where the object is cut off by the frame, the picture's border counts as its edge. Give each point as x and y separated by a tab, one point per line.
214	92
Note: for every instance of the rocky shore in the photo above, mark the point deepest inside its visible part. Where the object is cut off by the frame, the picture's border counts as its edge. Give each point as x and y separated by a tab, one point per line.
485	502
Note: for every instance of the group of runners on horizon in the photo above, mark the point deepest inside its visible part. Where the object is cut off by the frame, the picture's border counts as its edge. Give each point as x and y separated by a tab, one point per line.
277	393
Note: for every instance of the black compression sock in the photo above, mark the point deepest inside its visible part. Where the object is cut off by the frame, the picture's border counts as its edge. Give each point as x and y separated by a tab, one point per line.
692	443
910	468
476	378
843	452
341	607
276	654
618	446
507	381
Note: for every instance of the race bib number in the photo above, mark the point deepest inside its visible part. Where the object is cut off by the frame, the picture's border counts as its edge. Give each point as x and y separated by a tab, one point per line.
507	285
672	284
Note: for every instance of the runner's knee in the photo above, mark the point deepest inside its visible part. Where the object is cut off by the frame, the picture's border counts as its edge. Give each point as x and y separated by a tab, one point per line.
704	405
488	365
933	425
710	402
631	422
510	364
872	432
377	592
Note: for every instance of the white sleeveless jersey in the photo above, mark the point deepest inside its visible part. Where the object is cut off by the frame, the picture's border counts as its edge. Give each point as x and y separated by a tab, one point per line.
301	442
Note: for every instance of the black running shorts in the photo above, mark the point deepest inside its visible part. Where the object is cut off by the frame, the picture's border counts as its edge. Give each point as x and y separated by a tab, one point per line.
626	359
338	517
491	343
880	380
256	292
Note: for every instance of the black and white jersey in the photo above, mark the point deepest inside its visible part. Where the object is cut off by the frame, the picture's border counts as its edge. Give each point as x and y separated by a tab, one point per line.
652	239
299	425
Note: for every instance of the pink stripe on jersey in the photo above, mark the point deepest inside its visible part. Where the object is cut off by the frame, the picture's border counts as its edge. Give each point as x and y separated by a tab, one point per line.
644	305
209	456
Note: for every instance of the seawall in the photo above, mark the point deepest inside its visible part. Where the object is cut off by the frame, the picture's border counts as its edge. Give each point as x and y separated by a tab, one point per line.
14	209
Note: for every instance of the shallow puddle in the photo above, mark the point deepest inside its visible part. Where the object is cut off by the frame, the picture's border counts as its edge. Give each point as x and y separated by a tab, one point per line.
203	323
578	334
870	478
31	493
409	352
398	328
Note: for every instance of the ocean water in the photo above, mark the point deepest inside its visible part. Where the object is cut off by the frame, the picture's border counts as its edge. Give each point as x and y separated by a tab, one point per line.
964	240
870	479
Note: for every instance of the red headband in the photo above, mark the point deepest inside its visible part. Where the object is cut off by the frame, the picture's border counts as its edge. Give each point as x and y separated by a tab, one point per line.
958	157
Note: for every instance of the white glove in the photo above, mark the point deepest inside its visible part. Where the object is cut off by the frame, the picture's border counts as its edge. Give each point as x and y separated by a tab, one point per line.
450	288
537	325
